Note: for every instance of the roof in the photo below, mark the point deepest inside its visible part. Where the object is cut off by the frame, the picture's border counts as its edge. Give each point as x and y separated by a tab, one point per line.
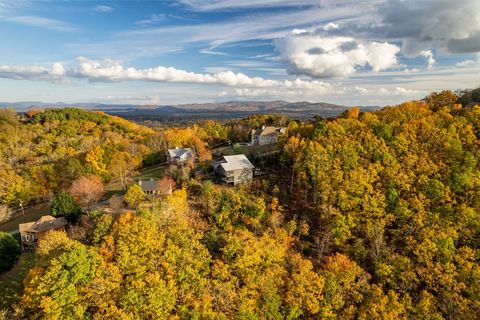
148	185
179	152
266	131
236	162
43	224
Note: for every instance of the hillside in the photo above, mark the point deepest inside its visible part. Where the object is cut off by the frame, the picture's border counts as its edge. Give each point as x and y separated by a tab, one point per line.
43	151
372	215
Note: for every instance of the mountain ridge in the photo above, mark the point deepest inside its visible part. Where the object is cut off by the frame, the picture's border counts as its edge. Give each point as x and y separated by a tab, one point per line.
211	110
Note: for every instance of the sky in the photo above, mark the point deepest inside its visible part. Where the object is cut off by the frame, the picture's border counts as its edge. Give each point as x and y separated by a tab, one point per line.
351	52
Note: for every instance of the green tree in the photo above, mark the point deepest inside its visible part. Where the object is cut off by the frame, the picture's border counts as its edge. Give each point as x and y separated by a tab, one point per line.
64	205
9	251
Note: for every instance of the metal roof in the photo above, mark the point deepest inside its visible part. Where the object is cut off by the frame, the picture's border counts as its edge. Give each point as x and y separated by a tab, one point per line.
236	162
179	152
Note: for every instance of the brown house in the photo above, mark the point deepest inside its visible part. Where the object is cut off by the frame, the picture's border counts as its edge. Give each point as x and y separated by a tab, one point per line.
31	232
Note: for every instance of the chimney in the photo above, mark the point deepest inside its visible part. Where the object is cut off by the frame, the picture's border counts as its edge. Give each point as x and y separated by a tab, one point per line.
263	127
139	182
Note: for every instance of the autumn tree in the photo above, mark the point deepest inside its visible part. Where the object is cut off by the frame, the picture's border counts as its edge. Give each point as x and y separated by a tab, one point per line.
87	190
134	195
95	161
122	166
166	185
445	98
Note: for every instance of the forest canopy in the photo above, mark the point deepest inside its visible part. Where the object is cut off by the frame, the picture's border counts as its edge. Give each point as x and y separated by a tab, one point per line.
372	215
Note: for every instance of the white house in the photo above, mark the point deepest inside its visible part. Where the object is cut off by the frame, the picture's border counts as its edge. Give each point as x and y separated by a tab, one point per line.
235	169
179	155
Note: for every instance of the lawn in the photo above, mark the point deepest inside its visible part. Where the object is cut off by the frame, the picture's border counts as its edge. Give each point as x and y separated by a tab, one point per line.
11	282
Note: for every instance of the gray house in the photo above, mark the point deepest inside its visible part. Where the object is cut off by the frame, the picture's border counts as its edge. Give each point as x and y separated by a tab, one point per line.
235	169
266	135
154	187
179	155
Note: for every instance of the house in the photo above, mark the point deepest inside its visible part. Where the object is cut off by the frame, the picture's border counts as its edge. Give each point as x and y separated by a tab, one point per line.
162	187
266	135
235	169
31	232
179	155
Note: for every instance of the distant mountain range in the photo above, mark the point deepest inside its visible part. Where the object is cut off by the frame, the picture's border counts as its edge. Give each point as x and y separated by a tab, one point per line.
221	110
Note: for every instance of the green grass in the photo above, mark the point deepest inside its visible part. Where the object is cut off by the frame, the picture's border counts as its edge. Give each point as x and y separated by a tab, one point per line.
11	282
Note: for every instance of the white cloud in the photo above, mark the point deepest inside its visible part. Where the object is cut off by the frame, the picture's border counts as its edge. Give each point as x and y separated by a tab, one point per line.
429	56
470	63
103	8
57	72
265	26
212	52
41	22
330	26
114	71
212	5
388	87
326	57
151	20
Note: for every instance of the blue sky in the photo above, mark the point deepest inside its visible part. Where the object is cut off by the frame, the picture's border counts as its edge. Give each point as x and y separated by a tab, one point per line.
375	52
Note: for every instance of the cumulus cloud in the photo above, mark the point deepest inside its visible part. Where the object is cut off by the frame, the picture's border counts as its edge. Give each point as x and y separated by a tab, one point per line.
324	56
114	71
56	72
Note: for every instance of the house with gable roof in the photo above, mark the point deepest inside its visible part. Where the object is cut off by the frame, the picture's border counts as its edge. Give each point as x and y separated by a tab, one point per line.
266	135
236	169
179	155
31	232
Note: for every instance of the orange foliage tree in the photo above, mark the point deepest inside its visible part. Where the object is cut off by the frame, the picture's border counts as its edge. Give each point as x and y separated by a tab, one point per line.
87	190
